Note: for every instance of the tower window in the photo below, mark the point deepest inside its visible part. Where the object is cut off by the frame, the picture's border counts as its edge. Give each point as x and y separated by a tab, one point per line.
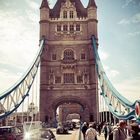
53	56
58	27
79	79
71	28
65	14
83	56
71	14
77	27
65	27
68	77
68	55
57	79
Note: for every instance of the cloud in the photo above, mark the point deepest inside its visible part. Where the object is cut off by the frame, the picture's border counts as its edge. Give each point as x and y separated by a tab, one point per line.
18	45
134	34
132	20
124	22
129	88
7	79
136	18
127	2
33	5
33	17
103	55
111	73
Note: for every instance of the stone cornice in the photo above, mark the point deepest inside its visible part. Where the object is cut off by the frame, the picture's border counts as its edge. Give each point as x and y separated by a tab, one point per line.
76	42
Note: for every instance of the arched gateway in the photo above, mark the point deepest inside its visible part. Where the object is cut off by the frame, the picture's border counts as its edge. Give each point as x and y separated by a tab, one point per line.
68	73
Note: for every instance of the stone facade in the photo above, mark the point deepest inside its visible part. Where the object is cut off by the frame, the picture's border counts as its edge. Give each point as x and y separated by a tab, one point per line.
68	73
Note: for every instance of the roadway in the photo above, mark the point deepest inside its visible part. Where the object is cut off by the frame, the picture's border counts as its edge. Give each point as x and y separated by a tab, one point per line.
73	135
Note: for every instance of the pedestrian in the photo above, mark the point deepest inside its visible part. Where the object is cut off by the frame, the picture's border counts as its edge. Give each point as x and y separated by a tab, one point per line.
106	130
135	130
112	128
99	128
120	133
84	129
91	133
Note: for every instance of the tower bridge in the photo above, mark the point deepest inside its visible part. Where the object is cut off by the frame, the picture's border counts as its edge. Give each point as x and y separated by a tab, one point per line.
72	78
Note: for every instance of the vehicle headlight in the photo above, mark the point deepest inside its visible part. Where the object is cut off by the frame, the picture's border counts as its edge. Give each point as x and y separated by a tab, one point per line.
27	135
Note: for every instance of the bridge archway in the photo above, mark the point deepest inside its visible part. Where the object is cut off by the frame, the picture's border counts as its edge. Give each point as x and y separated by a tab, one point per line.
69	105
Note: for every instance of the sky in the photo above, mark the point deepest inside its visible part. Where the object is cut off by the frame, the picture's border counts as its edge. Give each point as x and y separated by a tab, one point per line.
118	33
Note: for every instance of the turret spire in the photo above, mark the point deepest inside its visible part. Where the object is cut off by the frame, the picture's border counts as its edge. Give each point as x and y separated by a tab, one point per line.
91	3
44	4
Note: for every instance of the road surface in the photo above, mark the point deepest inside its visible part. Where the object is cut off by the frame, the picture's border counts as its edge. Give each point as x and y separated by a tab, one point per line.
73	135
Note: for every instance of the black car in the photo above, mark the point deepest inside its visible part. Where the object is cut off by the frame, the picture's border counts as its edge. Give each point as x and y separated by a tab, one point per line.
61	130
47	134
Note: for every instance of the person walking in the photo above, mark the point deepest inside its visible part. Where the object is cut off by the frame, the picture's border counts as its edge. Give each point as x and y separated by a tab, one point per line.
120	133
135	130
84	129
106	130
91	133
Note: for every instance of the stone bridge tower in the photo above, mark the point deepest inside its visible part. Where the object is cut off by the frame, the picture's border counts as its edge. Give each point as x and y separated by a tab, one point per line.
68	73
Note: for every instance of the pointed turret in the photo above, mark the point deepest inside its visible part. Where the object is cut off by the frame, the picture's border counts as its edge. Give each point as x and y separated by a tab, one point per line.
44	4
44	18
92	18
91	3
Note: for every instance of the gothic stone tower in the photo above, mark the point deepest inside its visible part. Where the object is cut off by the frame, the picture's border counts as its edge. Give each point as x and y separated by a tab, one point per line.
68	73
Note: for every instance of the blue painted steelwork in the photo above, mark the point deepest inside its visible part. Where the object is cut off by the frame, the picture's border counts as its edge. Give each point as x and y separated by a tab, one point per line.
11	99
118	105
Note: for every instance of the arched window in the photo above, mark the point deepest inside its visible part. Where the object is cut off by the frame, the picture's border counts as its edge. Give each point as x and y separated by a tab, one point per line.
68	55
